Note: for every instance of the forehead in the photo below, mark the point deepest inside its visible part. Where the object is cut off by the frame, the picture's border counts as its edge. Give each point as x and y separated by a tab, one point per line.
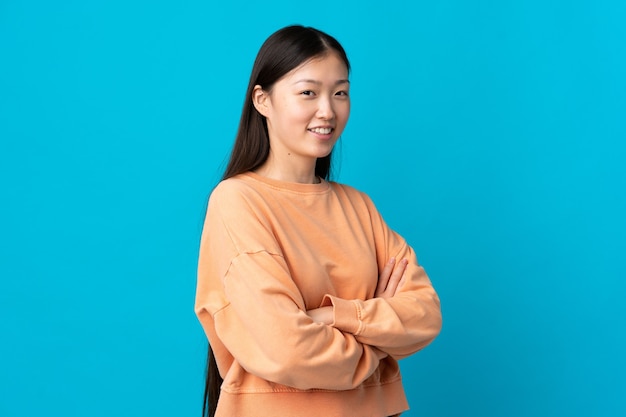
328	67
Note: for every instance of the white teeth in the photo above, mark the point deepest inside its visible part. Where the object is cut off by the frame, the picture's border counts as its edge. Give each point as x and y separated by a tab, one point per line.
322	130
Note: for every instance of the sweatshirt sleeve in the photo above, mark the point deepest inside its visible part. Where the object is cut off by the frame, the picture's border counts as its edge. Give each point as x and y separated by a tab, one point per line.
400	325
245	290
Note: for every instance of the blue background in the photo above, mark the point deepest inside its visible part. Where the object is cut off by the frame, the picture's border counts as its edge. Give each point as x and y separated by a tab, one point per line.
489	133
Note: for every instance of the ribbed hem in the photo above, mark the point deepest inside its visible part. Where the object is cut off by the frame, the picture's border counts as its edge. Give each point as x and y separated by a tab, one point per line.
373	401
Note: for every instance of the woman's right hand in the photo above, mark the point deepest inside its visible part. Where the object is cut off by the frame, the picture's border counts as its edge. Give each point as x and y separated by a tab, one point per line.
391	278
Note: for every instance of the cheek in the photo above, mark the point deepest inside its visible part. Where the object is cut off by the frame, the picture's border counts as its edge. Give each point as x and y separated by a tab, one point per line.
291	110
343	112
296	112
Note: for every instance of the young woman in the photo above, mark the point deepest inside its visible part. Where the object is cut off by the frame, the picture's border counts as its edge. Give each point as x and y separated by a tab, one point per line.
307	298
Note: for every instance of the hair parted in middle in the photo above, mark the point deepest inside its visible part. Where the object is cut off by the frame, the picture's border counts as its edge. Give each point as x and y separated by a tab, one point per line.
285	50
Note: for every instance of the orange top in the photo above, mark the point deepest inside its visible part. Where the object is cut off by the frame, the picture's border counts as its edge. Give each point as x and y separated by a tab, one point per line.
270	251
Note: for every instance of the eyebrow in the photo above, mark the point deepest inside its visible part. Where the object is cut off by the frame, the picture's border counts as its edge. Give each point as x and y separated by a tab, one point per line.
319	82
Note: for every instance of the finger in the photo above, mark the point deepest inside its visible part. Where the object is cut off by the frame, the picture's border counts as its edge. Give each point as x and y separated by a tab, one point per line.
401	283
395	278
383	279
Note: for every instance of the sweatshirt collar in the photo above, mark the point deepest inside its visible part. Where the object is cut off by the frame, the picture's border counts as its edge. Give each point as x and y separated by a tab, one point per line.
323	186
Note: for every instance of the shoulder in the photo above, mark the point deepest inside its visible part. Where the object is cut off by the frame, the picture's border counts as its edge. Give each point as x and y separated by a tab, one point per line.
237	221
347	189
352	194
233	185
232	191
233	199
237	206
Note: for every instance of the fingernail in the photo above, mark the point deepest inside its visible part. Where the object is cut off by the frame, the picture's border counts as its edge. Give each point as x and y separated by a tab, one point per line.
392	260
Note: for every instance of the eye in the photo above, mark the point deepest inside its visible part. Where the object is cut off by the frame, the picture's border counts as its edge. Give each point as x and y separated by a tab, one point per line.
342	93
307	93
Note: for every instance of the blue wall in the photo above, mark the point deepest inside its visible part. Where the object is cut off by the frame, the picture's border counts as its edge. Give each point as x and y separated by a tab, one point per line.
490	134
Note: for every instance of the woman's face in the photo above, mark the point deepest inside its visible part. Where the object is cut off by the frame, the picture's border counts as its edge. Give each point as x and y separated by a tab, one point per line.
306	110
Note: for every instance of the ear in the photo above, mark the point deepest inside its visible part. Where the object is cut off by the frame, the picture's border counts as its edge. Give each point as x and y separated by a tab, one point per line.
261	100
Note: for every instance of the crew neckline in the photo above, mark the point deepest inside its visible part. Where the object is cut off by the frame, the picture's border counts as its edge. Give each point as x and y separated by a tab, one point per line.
289	186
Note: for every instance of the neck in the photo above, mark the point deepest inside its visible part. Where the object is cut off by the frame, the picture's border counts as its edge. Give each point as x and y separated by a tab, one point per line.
299	173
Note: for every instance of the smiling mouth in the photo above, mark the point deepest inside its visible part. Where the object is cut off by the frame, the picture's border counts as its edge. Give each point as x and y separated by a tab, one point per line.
322	130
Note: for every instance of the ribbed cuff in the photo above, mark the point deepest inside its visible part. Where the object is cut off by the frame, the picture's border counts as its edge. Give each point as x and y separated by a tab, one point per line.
345	314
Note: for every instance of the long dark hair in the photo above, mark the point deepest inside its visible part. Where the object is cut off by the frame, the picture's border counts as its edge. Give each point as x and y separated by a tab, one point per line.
283	51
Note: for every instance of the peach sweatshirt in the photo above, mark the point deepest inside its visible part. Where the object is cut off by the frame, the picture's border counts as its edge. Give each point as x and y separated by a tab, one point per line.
272	250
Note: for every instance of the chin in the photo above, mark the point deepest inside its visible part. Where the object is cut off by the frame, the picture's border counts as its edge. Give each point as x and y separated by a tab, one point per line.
321	153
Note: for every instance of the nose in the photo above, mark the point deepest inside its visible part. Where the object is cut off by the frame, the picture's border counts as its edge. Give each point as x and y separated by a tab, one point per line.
325	110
